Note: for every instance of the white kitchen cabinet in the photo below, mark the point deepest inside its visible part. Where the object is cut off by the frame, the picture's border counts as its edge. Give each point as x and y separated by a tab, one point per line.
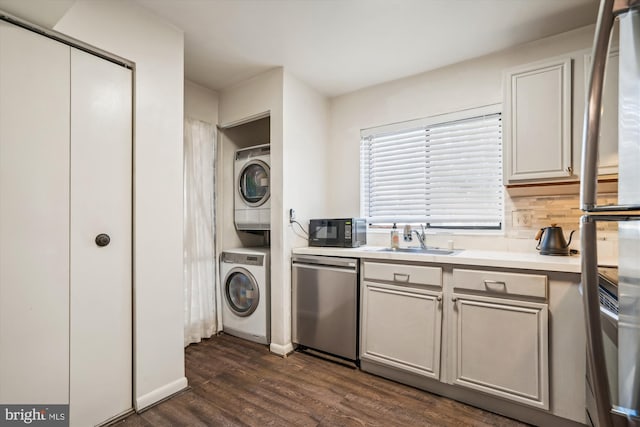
500	347
401	327
608	140
402	319
537	122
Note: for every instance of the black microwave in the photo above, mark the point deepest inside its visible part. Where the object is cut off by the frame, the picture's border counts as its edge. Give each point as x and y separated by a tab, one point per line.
338	232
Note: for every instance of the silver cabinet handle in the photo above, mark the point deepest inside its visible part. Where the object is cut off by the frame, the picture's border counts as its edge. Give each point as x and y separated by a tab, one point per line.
400	277
454	299
439	298
488	283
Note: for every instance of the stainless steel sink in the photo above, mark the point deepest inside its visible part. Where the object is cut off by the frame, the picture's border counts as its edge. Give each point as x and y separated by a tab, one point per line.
428	251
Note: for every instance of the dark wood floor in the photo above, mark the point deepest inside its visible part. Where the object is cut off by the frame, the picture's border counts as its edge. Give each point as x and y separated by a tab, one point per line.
238	383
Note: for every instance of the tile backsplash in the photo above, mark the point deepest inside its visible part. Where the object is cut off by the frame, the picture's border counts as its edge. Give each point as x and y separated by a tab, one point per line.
525	215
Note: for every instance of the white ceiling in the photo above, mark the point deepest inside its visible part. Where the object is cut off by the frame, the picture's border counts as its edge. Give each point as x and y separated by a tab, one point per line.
339	46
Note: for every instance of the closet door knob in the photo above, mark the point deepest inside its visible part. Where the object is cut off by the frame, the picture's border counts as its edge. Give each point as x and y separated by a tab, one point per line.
102	239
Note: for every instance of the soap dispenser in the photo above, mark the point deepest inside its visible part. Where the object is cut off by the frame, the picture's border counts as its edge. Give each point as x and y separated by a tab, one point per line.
407	233
395	237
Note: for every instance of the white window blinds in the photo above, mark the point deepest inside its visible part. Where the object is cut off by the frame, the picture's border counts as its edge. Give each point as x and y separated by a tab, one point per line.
445	173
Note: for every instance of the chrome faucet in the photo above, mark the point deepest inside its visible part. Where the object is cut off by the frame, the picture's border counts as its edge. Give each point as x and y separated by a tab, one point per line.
422	237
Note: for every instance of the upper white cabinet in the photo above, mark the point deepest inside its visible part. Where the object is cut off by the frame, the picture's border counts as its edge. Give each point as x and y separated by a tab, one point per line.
537	122
608	140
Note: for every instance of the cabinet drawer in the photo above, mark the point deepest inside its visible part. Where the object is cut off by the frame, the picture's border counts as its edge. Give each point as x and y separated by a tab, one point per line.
399	273
496	283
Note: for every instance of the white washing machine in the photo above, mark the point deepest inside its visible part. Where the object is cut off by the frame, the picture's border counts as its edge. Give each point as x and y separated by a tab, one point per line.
252	200
244	280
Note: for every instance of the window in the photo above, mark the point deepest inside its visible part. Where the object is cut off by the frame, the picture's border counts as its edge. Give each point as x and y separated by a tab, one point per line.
445	171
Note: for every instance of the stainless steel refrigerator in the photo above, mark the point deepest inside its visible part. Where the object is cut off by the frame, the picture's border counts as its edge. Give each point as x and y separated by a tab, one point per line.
613	313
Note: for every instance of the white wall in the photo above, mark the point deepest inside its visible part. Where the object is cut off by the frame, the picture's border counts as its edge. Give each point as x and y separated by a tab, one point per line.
44	13
305	170
298	132
245	102
157	49
468	84
251	98
200	103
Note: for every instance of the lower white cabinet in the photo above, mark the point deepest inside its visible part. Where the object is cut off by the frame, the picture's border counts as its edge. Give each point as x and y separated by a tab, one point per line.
478	335
500	346
401	327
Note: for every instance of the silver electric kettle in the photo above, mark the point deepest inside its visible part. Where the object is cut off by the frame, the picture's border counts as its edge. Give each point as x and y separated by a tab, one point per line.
551	241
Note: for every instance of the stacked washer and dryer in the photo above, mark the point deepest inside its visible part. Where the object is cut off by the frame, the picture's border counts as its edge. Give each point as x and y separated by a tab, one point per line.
252	200
245	272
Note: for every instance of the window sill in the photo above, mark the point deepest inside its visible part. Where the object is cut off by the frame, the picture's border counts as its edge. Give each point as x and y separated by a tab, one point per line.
440	232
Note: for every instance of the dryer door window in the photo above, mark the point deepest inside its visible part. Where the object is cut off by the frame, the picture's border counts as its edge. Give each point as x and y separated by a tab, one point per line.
242	292
254	183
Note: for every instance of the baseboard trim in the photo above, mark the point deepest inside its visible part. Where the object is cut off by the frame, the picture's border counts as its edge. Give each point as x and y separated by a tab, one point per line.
281	350
161	393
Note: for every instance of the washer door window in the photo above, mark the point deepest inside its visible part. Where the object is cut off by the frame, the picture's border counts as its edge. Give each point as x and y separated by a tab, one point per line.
242	292
254	183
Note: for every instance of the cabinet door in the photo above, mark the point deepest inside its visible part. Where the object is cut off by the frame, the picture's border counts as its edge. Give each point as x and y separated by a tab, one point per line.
608	146
500	347
537	138
401	327
34	218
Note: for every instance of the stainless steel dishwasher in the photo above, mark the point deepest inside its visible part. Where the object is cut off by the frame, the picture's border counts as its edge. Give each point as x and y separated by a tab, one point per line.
325	304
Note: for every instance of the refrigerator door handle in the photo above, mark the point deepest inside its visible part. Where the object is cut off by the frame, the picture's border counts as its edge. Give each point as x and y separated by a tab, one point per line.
591	131
591	301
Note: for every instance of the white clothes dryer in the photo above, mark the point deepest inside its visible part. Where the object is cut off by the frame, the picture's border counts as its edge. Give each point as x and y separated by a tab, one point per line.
252	202
244	279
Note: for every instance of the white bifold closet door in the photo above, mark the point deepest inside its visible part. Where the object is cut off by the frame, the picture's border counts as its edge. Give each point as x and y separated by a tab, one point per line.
100	286
34	218
65	177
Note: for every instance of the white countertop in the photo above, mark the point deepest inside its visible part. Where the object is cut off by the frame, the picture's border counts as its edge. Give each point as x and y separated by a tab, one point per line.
520	260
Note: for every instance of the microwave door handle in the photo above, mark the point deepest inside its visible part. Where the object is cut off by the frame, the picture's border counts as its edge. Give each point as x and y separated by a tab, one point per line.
591	131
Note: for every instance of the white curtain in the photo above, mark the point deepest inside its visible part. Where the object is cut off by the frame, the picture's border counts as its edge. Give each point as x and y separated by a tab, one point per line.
199	231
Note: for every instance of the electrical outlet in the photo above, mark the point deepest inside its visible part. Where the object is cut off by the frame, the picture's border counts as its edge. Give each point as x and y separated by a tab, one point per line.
522	218
292	215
